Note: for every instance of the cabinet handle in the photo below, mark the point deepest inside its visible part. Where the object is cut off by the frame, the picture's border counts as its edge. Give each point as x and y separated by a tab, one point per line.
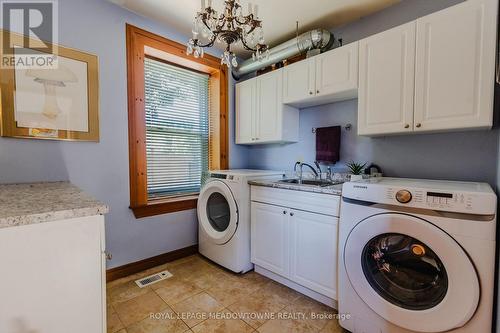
291	214
310	93
317	91
407	126
284	212
419	125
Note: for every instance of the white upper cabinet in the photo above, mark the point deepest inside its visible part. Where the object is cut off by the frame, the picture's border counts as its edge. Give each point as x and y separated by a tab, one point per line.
455	67
325	78
245	106
261	116
386	82
434	74
269	104
299	81
337	73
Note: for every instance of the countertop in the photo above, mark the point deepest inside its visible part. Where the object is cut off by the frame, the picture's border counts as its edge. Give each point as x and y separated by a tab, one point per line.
24	204
332	190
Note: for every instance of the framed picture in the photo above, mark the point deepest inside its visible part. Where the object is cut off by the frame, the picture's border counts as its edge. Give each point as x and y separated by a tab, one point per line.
59	103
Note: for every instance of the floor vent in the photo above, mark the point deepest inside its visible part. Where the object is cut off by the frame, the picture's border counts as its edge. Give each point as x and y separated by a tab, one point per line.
149	280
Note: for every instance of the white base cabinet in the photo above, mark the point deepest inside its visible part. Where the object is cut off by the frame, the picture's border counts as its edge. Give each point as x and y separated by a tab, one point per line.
296	244
270	230
53	277
313	245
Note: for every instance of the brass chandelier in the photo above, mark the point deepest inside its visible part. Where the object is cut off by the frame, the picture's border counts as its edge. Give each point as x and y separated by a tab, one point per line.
231	26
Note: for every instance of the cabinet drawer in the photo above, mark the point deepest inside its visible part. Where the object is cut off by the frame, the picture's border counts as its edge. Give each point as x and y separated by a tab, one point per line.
326	204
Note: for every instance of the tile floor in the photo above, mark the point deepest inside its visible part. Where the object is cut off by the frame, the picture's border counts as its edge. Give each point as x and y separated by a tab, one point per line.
203	297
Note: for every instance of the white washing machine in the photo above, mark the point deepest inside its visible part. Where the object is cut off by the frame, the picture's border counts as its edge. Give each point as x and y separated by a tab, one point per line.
224	217
417	256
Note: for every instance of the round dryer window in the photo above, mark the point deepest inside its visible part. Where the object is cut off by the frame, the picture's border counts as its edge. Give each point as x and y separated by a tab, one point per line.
217	212
404	271
411	273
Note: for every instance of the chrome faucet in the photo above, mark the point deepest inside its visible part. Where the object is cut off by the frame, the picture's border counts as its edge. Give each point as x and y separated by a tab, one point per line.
329	174
318	169
301	165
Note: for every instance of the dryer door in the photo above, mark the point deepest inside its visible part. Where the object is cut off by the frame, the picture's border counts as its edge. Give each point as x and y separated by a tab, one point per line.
217	212
411	273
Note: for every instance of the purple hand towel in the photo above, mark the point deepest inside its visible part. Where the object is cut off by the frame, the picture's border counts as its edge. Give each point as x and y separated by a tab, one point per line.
328	144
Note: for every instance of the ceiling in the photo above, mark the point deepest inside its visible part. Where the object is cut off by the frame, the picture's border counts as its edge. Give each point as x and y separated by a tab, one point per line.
278	16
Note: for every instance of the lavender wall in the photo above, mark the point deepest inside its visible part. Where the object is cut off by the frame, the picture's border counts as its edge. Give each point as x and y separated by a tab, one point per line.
101	169
457	156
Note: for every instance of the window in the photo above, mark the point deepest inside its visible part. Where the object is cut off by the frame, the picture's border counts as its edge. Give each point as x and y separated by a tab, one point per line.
176	106
177	122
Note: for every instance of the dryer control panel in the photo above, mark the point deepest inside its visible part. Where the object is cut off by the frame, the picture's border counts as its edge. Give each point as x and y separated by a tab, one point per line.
459	197
432	200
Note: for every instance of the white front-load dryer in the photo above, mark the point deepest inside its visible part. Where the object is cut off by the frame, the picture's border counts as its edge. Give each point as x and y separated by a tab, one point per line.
224	217
416	256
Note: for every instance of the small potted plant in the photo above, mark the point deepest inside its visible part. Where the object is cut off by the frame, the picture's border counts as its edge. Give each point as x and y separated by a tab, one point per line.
356	170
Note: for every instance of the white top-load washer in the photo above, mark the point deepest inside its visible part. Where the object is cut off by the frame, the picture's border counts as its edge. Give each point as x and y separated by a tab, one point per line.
224	216
417	256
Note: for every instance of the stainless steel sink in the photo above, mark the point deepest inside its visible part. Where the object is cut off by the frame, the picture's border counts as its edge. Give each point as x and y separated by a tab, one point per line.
309	182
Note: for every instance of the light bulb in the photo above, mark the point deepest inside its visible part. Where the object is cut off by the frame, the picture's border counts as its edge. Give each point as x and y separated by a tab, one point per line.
189	49
196	53
234	62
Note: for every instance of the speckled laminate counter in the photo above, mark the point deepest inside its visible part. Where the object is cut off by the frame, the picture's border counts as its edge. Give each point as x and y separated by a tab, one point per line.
333	189
23	204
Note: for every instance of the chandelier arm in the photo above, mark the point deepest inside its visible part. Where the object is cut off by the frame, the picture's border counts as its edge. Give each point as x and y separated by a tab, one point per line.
245	45
205	23
246	20
251	30
210	42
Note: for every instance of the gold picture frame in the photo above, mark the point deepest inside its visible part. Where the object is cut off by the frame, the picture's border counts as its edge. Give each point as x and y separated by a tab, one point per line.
17	87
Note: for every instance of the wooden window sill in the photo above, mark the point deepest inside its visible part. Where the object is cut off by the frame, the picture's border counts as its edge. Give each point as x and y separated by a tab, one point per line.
165	206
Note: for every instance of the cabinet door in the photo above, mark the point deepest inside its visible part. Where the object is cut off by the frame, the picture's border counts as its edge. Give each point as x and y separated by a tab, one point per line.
337	72
455	67
313	247
386	81
269	237
52	277
270	107
298	81
245	110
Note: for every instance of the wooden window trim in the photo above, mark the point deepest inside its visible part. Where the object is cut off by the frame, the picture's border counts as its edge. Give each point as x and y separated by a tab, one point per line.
141	43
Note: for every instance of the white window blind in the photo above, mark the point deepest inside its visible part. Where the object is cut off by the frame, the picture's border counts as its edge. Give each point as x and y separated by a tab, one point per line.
177	128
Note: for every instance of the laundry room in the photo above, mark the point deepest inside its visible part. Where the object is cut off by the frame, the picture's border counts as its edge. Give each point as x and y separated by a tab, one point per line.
249	166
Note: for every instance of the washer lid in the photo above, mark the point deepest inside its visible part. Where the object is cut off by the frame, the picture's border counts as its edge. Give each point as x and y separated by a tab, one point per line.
217	212
411	273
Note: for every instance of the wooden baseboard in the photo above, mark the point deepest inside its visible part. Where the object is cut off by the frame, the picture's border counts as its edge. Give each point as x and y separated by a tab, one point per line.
141	265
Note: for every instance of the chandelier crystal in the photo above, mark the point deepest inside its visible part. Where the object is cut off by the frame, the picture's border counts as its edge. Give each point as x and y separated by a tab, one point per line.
231	26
